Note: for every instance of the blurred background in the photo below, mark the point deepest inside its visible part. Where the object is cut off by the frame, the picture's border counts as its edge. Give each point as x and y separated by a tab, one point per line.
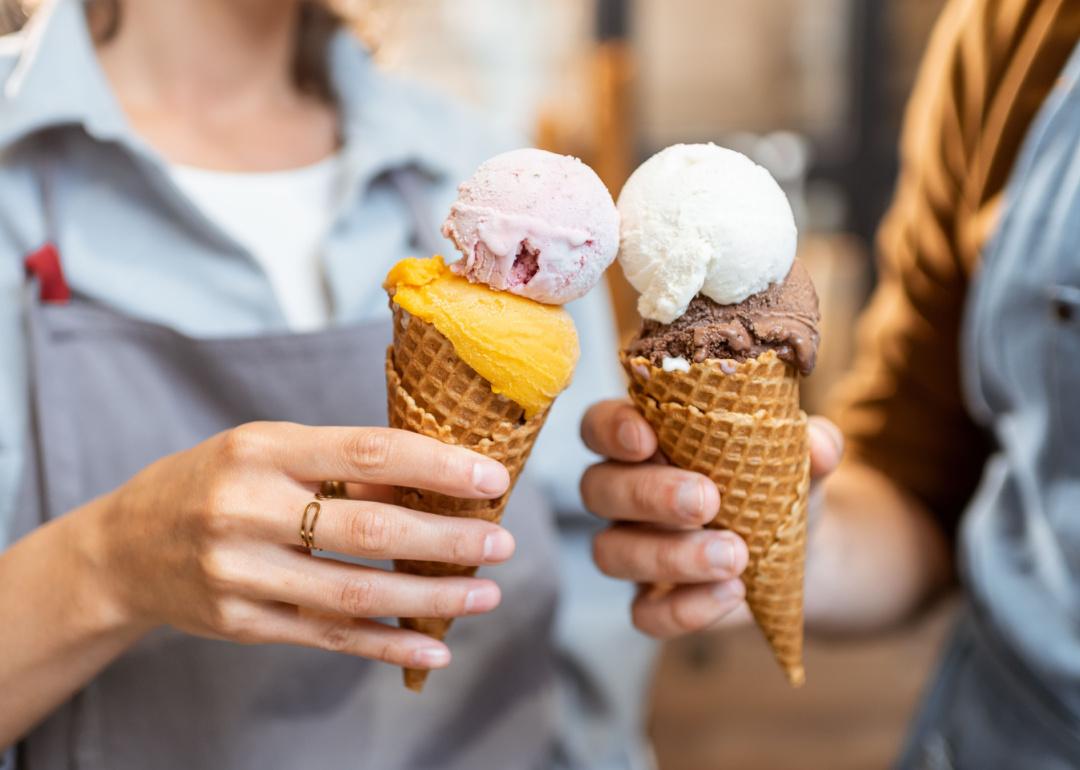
812	89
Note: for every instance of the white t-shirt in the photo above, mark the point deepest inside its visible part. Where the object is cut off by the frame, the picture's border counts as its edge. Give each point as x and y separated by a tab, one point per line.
281	217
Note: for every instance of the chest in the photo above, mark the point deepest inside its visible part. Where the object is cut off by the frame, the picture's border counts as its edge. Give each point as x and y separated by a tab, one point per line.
138	244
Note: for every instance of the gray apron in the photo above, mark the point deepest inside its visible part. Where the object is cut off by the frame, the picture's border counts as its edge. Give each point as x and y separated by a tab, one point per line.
112	394
1007	695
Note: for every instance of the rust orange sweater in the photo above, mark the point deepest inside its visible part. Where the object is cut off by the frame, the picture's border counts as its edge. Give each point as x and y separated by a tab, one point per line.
989	66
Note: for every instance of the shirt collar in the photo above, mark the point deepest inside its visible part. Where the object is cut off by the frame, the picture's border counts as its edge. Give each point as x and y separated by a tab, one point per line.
57	80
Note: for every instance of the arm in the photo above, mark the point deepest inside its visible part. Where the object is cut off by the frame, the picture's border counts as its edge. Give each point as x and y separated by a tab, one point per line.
206	541
874	556
64	627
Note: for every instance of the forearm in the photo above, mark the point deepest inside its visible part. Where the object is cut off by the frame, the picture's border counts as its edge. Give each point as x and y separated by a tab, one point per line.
60	627
875	555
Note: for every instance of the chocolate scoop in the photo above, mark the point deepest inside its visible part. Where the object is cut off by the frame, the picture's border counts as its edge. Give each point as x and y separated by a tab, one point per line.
784	317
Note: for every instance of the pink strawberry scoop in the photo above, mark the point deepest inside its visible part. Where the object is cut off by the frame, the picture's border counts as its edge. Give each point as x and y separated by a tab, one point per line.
536	224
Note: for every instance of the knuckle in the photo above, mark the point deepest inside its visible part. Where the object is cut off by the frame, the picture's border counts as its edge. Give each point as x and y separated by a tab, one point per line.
218	497
221	504
370	448
687	615
462	549
666	494
358	596
216	569
230	618
669	558
244	443
389	652
642	493
448	465
370	531
337	636
447	602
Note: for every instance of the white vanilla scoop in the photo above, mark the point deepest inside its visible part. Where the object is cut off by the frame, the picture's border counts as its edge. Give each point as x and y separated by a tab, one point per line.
697	218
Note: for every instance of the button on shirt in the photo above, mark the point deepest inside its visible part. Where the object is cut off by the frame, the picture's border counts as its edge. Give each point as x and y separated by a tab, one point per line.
72	172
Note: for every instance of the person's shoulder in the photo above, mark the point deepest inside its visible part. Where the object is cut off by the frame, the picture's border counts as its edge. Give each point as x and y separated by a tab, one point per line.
13	47
18	187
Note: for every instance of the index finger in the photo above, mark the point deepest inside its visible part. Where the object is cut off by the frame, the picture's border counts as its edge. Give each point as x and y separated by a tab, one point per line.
389	456
616	430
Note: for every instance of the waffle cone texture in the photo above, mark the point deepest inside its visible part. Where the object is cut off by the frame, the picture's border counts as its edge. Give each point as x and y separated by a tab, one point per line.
740	424
431	391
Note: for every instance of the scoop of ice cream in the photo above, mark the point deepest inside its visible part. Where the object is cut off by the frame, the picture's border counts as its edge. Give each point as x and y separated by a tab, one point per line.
536	224
697	218
526	350
783	318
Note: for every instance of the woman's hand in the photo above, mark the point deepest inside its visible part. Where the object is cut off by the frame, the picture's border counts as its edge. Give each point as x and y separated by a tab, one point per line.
207	540
658	513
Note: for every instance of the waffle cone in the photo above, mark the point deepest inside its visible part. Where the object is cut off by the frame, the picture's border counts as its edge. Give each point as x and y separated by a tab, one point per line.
740	425
431	391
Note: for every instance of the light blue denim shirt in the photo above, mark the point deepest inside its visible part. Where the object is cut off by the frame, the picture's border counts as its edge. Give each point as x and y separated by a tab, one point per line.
73	172
1020	536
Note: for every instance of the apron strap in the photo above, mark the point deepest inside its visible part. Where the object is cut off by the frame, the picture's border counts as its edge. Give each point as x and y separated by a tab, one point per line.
45	285
44	263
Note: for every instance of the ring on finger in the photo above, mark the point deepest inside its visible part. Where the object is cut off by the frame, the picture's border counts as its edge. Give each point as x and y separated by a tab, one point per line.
307	524
331	490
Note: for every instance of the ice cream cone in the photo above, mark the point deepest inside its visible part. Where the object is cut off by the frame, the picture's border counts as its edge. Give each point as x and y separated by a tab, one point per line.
740	425
431	391
482	347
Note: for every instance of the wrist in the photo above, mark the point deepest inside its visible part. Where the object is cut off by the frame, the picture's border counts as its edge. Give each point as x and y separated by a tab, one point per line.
100	588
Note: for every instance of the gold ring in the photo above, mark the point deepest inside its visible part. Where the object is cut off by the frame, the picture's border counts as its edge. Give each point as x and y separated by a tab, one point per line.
330	490
307	529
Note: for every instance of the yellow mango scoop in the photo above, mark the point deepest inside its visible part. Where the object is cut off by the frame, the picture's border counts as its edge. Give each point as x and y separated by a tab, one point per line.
526	350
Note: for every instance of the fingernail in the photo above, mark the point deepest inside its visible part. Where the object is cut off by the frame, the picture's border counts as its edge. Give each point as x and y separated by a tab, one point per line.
721	554
481	599
690	499
729	591
628	436
430	657
498	546
490	478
